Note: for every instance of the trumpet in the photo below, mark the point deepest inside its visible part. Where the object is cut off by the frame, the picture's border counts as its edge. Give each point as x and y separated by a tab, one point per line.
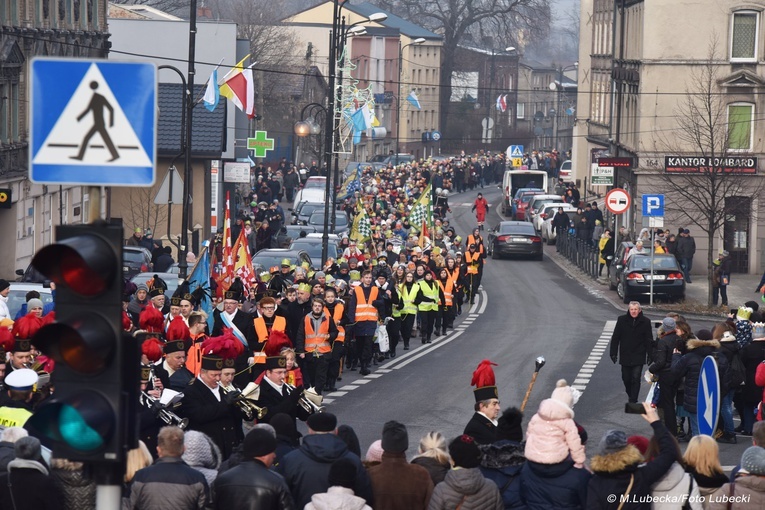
247	406
165	414
309	402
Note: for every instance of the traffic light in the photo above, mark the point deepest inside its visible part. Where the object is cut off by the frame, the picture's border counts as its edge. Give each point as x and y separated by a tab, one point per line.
91	415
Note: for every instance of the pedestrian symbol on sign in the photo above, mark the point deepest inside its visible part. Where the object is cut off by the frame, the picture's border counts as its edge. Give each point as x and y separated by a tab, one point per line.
74	138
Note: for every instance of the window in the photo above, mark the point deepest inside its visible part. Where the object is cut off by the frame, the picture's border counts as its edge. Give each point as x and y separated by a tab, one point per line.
520	110
740	116
743	39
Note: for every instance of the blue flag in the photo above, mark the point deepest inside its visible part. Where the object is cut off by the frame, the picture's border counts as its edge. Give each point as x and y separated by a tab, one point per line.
212	92
414	100
200	277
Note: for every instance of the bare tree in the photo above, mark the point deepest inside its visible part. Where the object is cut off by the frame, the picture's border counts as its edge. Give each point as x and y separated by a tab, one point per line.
493	23
706	197
142	212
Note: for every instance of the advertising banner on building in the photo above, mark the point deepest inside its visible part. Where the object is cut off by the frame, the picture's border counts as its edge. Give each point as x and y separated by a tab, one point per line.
699	164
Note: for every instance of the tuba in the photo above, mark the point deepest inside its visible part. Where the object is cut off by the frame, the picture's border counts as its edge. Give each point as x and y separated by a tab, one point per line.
247	406
308	403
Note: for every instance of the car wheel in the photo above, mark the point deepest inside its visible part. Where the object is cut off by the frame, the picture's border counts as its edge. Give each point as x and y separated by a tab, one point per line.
611	285
622	293
494	255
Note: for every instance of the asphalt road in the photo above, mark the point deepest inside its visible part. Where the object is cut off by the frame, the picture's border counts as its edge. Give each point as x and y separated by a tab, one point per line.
527	309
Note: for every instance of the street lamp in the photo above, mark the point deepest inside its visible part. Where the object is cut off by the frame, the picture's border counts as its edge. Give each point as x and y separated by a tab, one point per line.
558	86
489	94
401	49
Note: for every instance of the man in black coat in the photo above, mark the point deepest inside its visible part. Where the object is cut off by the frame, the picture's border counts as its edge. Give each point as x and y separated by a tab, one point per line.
483	425
252	484
275	397
243	326
211	410
630	345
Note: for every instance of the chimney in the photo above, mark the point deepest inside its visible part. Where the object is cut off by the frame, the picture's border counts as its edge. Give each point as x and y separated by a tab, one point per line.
204	12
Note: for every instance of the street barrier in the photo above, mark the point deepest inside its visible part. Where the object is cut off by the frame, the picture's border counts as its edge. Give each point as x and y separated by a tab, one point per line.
581	253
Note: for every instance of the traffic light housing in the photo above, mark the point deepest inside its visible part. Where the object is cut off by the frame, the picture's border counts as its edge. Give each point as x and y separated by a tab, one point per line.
91	415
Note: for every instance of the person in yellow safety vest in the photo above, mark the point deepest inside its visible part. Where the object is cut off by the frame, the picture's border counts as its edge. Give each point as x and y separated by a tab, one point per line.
20	386
407	292
428	299
473	271
476	239
336	309
316	334
363	307
453	268
445	317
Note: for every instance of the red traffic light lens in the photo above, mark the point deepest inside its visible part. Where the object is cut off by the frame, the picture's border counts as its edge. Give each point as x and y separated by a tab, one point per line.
85	264
85	343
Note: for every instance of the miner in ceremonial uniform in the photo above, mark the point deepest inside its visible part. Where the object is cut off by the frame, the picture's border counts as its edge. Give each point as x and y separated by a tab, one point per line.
241	325
157	288
175	304
316	334
21	355
171	371
148	421
483	425
275	396
211	410
17	409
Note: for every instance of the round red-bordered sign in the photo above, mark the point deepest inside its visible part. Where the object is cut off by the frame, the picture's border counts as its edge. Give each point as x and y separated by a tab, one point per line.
618	200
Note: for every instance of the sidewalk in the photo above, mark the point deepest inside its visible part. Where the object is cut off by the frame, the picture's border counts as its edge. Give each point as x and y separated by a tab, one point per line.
740	290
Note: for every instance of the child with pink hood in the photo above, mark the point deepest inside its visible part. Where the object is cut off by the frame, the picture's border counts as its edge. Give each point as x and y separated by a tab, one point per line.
552	434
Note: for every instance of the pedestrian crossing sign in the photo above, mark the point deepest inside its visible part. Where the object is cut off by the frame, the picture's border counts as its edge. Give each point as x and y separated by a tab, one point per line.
516	151
93	122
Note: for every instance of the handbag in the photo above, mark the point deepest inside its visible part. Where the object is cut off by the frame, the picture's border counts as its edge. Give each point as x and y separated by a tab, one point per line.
731	490
687	504
626	493
724	279
382	338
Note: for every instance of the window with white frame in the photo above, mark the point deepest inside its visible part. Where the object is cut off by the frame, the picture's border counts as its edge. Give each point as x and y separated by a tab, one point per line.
520	110
745	27
740	133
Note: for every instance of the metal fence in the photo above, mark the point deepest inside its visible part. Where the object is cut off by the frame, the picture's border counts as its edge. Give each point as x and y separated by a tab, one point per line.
579	252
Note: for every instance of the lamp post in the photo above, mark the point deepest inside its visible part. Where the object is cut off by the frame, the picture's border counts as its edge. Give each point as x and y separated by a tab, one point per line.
558	86
401	49
489	94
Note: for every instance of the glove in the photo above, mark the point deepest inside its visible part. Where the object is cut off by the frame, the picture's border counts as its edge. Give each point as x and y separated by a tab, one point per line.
230	397
295	395
614	358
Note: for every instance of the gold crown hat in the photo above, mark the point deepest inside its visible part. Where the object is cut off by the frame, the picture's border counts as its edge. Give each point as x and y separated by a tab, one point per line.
304	287
743	313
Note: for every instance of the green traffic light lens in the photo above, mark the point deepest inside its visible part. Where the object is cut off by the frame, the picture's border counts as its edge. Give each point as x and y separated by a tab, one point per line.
76	432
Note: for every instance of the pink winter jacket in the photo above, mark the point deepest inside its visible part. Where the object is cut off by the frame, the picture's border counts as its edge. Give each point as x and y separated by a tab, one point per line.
552	435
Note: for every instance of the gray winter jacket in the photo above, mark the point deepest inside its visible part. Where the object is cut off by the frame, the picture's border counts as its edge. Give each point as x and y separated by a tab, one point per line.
466	486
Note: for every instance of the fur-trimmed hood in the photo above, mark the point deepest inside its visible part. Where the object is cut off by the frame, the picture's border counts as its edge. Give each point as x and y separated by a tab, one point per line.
627	458
695	343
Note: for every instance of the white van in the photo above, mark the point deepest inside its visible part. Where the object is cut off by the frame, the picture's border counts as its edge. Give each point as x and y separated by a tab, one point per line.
513	180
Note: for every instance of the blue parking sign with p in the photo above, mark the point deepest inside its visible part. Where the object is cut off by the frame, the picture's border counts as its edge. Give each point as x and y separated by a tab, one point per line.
653	205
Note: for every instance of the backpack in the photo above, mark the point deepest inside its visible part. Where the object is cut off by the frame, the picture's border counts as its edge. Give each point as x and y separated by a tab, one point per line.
736	371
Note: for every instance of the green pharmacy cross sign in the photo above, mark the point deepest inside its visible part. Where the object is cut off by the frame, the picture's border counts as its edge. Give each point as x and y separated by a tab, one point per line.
260	144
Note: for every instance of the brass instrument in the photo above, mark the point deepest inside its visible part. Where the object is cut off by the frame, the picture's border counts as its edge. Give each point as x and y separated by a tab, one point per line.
247	406
165	414
309	402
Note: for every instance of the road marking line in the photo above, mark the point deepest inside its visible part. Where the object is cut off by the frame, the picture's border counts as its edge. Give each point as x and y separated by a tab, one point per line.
431	349
373	376
485	299
337	393
362	381
586	372
348	387
327	400
382	371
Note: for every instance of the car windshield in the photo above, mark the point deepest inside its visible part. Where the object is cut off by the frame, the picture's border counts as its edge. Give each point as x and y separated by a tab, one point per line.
270	260
308	209
315	183
525	198
644	262
341	220
17	297
539	204
523	229
314	249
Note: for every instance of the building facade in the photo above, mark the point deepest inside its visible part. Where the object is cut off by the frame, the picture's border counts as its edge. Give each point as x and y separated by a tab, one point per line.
30	211
641	97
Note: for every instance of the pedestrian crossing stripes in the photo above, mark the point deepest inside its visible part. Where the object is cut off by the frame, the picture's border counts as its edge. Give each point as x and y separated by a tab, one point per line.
582	379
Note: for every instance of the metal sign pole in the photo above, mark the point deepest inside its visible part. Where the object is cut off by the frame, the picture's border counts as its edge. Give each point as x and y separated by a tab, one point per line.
653	250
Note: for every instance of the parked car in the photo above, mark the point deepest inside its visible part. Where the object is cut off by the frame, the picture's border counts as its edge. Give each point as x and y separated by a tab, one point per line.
617	265
566	171
522	202
293	232
304	210
514	238
547	212
536	202
18	295
135	259
313	195
171	279
313	246
341	222
547	232
636	276
31	275
272	257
